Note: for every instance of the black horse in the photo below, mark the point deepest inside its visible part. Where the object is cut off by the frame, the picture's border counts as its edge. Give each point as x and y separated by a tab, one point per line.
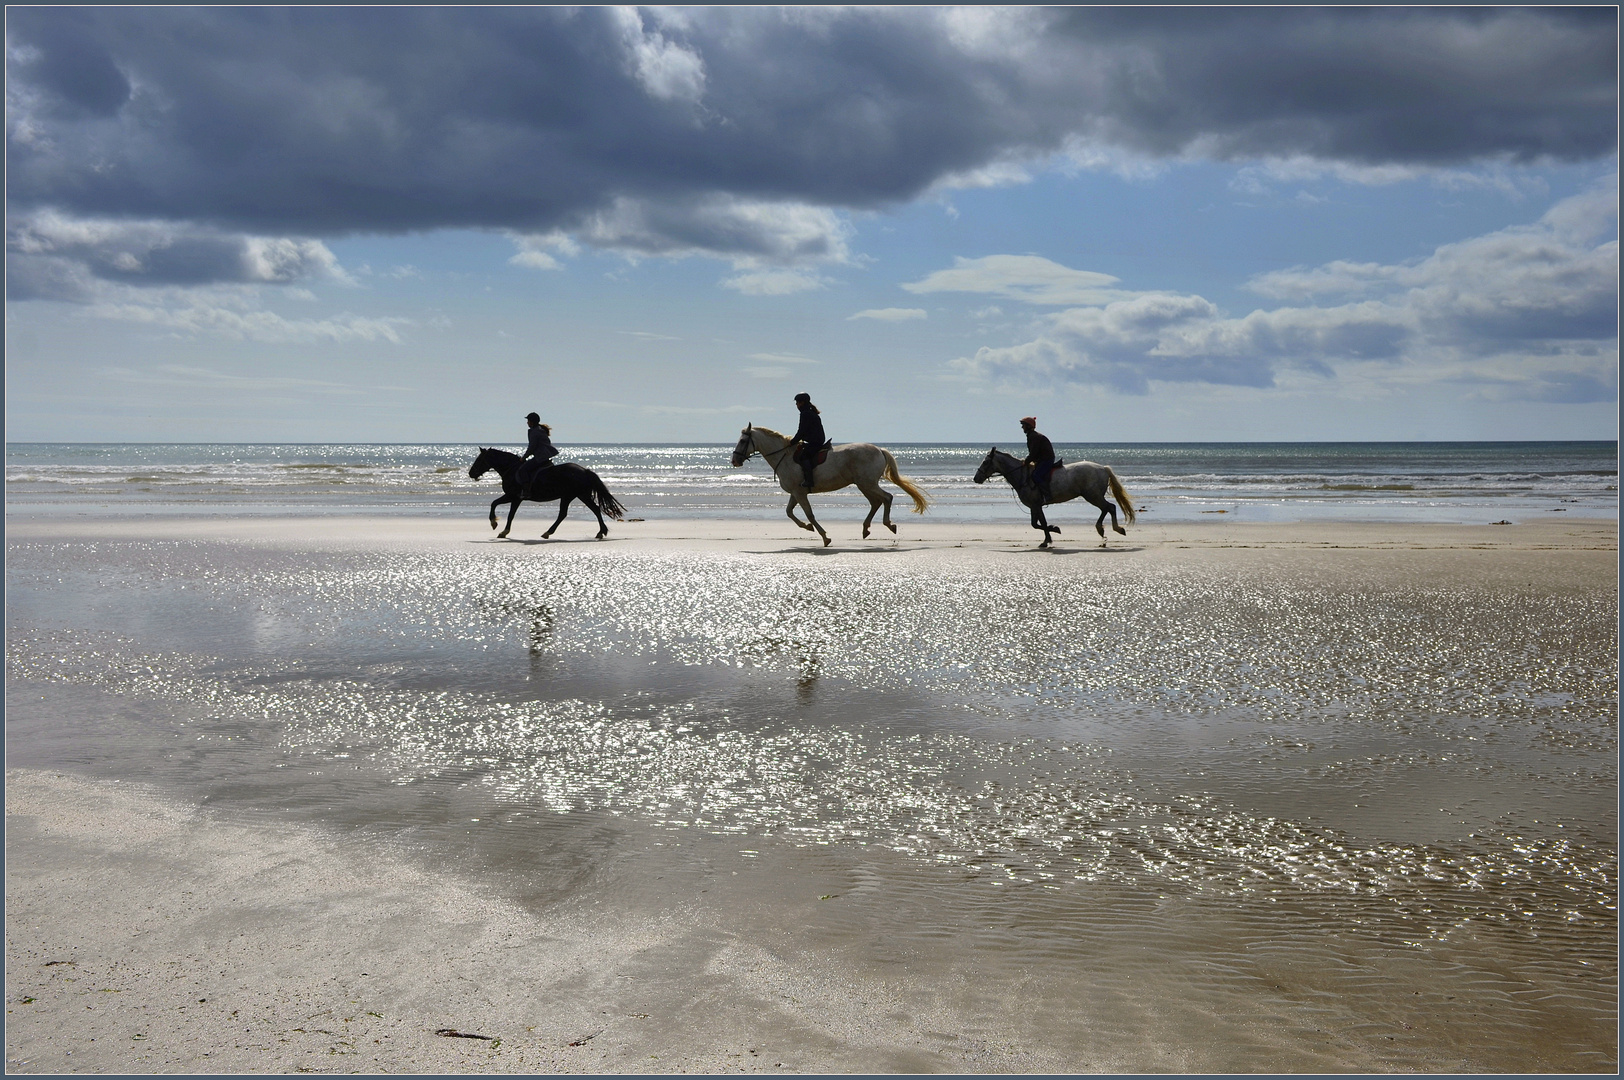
566	482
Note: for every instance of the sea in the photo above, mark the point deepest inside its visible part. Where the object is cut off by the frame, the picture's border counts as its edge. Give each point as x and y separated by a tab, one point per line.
1123	808
1461	482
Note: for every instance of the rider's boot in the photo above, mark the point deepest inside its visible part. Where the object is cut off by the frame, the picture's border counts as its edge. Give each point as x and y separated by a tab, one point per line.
808	467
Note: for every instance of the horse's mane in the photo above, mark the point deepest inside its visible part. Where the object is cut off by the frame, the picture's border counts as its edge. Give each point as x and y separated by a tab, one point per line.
770	431
497	451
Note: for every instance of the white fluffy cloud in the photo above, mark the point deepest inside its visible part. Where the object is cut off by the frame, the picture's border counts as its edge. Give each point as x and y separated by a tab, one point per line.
1030	278
666	70
236	313
1524	313
774	282
53	256
889	314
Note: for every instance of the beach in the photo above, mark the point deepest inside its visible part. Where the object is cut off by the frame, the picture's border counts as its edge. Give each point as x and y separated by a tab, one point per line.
380	793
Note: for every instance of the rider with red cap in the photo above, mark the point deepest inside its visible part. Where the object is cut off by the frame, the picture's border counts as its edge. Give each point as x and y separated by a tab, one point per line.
1039	455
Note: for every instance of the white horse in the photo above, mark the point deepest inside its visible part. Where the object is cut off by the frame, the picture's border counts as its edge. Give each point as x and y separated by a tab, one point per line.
1067	482
863	464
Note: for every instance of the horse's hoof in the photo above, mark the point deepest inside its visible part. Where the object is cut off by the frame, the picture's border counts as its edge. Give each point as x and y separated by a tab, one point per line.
892	527
865	534
1123	532
827	541
1055	529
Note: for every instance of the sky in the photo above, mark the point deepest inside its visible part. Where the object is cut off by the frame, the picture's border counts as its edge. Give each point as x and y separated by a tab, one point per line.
416	224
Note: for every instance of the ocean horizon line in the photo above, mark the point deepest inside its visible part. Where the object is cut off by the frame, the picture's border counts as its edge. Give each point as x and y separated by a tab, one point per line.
888	442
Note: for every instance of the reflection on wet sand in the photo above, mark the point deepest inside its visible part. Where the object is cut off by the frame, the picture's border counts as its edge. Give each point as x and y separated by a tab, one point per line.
1377	797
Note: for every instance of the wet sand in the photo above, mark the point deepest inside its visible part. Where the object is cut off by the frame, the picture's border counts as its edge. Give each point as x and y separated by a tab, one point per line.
146	932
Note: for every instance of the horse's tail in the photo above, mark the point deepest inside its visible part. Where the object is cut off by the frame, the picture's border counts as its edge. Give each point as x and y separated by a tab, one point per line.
611	505
891	474
1121	494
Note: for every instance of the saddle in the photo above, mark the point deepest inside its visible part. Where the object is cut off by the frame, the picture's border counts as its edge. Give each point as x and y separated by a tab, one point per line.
1029	478
1058	462
823	452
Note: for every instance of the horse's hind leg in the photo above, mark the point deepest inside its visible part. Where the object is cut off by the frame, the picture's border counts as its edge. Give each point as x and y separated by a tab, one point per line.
563	508
1106	507
513	509
592	505
877	497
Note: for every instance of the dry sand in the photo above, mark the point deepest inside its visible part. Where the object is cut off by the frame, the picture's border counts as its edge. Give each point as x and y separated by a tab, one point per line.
772	534
143	936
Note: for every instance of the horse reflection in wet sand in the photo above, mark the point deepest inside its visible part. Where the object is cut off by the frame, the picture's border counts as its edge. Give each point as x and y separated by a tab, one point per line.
863	464
1080	478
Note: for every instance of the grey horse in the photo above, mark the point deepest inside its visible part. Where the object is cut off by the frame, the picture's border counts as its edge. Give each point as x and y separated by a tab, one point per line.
1083	478
863	464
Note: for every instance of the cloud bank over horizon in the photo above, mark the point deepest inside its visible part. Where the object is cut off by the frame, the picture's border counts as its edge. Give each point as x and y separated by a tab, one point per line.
739	133
1473	313
725	183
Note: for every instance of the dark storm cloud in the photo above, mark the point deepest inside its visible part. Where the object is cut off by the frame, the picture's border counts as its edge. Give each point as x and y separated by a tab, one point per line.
323	121
1368	86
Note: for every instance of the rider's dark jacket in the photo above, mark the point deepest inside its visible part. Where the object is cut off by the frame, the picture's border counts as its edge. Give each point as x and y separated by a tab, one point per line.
540	446
810	433
1039	450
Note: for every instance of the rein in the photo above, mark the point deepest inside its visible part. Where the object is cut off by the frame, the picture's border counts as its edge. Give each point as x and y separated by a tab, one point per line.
782	450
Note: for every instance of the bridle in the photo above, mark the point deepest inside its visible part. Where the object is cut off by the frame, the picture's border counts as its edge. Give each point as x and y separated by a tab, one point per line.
989	465
750	437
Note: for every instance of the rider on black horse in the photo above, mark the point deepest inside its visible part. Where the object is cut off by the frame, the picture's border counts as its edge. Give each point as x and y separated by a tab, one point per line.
540	452
809	435
1039	455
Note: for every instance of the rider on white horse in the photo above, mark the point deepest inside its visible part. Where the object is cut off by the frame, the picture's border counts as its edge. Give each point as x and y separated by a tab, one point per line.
1039	455
809	435
541	451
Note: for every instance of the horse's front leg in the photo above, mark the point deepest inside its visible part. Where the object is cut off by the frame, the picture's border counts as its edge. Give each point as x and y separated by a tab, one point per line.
1042	522
790	510
513	509
563	508
808	507
494	505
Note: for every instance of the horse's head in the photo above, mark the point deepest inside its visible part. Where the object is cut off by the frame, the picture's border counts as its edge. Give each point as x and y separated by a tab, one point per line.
481	464
746	447
988	466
